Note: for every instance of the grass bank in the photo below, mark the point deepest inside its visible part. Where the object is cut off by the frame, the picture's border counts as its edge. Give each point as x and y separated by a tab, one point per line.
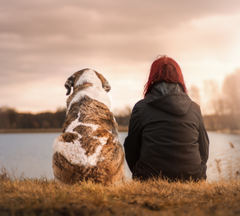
154	197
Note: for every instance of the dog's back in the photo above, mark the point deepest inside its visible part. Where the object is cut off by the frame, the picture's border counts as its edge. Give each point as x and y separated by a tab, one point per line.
88	148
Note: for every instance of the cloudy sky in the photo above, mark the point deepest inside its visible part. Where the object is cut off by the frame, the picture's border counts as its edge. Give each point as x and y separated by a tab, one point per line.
43	42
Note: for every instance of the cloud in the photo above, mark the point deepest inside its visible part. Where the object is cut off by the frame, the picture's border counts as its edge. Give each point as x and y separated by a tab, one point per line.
49	40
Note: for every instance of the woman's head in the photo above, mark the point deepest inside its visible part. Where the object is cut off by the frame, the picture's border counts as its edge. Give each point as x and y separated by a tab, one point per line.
164	69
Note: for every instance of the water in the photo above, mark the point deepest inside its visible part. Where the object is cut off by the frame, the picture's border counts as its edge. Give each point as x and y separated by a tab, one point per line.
31	154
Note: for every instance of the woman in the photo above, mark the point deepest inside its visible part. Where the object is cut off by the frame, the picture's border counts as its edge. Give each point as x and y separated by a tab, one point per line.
166	137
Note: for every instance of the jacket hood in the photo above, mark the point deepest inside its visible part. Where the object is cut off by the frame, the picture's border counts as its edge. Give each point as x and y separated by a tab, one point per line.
169	97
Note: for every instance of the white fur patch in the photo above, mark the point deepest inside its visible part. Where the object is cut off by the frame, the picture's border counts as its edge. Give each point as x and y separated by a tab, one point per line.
90	77
73	152
76	123
95	91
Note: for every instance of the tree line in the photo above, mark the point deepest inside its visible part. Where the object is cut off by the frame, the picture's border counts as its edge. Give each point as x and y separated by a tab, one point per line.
12	119
223	103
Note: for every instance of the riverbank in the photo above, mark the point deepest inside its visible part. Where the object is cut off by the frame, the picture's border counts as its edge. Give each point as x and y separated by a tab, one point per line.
154	197
31	130
120	129
46	130
227	131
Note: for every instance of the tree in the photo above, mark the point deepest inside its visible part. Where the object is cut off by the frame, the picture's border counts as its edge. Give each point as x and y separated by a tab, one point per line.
231	92
231	97
194	94
215	100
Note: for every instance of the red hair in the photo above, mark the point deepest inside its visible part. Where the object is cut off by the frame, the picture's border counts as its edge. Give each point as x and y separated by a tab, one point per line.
164	69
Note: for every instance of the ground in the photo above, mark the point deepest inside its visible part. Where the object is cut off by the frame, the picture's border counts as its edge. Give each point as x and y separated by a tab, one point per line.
153	197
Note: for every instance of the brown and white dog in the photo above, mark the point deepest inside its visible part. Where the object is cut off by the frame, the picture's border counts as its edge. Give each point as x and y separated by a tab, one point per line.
89	147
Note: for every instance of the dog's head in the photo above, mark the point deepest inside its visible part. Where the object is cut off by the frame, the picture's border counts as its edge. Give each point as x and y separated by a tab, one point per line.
86	76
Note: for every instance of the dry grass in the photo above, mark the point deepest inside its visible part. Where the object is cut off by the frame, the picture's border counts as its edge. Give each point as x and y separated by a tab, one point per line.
154	197
226	164
23	196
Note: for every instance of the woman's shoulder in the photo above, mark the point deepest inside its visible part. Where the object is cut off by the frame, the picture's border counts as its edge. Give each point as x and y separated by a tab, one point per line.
141	103
194	105
141	107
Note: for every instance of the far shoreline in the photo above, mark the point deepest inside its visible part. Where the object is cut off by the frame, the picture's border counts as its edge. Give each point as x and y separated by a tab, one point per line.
46	130
226	131
120	129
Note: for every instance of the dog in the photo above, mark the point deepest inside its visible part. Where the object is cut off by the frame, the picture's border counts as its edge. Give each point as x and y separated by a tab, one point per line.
88	148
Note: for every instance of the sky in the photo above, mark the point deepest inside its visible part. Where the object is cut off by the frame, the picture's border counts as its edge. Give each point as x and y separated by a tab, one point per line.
44	42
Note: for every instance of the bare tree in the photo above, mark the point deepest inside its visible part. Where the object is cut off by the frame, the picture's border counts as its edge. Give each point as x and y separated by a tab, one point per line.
194	94
231	92
231	97
214	95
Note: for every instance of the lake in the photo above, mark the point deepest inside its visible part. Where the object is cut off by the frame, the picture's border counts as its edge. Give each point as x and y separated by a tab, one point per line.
30	154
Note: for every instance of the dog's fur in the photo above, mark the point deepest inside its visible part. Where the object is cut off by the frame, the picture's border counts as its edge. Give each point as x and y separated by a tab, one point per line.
89	147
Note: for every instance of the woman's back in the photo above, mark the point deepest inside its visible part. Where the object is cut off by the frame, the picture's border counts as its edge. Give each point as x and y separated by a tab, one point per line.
166	134
170	124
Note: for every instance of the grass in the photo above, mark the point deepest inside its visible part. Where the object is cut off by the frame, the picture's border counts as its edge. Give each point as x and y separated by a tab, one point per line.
226	164
23	196
153	197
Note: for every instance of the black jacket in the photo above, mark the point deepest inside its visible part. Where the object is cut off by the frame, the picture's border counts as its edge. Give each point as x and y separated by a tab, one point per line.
167	136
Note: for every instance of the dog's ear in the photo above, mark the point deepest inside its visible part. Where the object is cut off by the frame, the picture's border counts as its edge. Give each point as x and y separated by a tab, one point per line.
69	84
105	84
